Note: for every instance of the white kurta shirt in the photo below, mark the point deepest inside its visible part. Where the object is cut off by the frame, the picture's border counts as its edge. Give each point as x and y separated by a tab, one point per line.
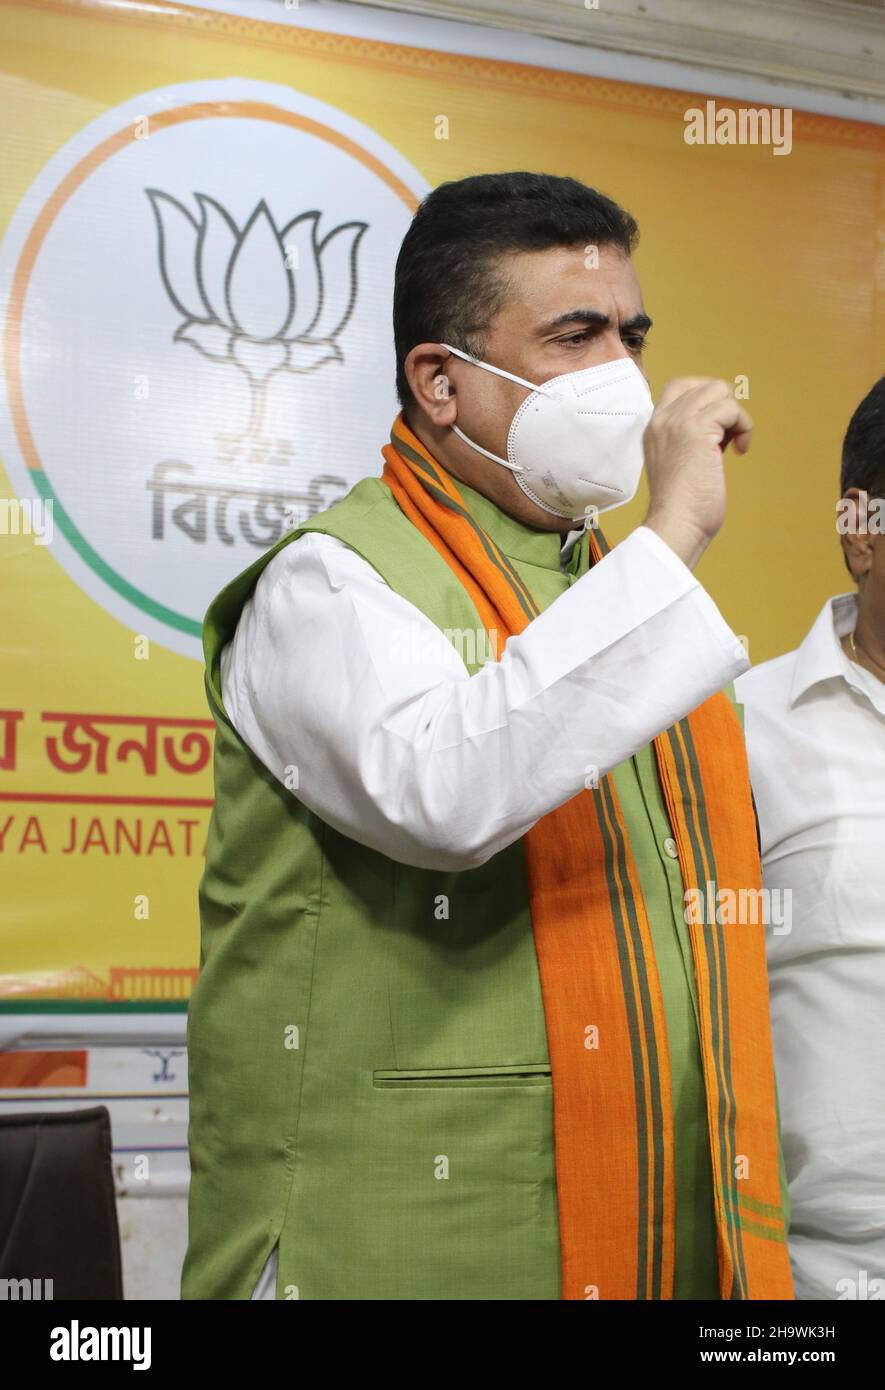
335	680
815	727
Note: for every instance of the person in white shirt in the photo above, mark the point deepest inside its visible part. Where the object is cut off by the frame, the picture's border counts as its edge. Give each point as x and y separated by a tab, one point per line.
815	726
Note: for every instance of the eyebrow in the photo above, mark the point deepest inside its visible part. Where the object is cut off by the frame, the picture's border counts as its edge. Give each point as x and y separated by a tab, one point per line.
596	319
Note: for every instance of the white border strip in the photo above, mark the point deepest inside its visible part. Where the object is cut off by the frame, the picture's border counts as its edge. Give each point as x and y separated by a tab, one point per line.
507	45
38	1032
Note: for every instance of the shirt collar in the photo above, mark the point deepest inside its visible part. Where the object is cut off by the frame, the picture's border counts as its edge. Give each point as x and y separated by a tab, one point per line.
519	541
821	658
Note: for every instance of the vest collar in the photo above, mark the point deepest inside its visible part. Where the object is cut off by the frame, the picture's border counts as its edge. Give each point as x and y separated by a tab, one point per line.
519	541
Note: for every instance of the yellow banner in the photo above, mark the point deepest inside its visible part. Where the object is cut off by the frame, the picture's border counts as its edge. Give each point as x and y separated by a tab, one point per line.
201	214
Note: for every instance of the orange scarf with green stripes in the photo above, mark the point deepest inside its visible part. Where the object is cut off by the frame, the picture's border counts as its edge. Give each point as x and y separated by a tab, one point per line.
609	1058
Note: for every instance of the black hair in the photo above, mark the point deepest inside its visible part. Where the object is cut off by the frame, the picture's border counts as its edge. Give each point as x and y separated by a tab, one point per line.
863	451
448	287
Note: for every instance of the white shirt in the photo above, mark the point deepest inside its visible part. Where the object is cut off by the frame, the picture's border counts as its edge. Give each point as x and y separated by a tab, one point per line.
815	726
337	681
396	745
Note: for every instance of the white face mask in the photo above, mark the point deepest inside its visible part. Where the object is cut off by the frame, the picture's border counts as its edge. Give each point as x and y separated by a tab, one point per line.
576	442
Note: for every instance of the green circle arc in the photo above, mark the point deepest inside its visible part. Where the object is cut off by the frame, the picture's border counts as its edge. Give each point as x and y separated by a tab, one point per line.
104	571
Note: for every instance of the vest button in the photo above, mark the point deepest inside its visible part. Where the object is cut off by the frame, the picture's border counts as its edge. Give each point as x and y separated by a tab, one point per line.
670	848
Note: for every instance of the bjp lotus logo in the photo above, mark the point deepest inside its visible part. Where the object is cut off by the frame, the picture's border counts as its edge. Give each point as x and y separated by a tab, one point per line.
263	299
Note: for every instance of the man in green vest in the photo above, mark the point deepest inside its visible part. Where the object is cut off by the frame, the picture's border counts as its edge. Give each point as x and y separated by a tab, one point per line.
455	1034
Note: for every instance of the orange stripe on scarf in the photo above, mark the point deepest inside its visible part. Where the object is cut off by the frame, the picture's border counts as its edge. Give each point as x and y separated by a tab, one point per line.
606	1030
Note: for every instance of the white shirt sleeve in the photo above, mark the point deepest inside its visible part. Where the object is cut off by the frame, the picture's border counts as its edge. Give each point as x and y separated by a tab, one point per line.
362	707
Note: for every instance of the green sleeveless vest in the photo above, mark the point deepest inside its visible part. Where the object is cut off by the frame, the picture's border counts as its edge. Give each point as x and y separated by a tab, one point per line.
369	1077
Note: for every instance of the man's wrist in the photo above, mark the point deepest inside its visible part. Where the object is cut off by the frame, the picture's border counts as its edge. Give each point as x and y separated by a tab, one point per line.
684	537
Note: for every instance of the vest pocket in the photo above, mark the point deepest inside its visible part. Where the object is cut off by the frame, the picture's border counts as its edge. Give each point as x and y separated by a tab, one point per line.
454	1193
515	1074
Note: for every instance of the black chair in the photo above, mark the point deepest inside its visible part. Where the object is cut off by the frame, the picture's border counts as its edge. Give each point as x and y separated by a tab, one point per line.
58	1210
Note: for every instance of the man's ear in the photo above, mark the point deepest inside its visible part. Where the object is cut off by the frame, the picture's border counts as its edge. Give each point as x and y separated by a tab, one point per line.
854	528
430	386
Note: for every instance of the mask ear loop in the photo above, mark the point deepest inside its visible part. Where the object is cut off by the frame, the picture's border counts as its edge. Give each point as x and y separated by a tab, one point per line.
499	371
514	467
